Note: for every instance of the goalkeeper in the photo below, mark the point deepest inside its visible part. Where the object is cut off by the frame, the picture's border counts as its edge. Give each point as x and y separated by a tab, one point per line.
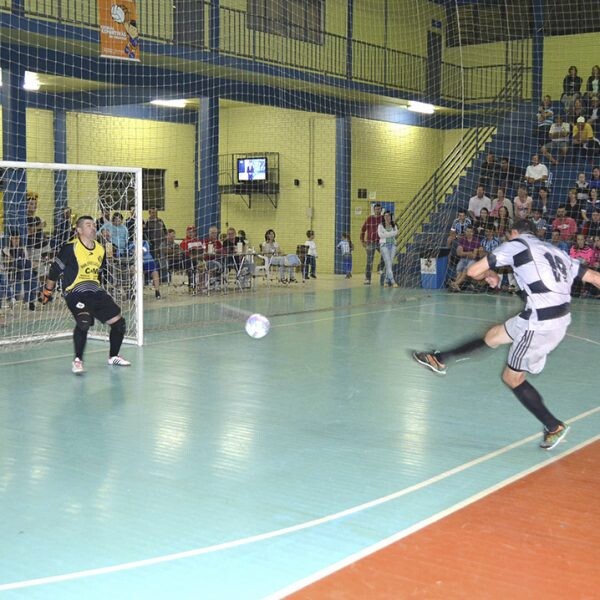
79	263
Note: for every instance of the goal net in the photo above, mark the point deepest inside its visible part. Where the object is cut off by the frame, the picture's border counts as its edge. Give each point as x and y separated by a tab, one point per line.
41	205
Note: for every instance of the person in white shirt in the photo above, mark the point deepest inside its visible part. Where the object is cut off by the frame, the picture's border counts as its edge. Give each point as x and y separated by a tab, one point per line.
310	263
387	232
536	172
479	201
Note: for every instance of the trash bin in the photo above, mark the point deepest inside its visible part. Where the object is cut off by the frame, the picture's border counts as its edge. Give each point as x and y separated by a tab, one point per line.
434	267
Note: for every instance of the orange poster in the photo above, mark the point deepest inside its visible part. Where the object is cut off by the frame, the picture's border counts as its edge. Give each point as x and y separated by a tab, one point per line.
119	36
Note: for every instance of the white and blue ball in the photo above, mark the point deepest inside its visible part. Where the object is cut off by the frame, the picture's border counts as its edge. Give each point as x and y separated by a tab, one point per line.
257	326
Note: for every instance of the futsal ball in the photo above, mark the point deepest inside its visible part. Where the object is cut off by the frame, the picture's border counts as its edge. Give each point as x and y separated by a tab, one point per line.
117	13
257	326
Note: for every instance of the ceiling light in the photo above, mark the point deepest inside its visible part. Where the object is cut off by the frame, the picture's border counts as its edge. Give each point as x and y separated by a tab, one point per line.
31	82
171	103
421	107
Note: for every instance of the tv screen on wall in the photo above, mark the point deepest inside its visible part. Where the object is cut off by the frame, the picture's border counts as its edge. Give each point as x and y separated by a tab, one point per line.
252	169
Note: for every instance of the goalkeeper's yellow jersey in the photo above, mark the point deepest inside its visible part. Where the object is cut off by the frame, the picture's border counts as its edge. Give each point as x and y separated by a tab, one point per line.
80	267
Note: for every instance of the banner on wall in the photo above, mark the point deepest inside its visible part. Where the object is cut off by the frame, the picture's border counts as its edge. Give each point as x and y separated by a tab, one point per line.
119	36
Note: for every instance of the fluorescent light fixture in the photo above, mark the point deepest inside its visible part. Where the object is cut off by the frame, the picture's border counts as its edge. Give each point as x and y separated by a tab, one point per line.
31	82
421	107
171	103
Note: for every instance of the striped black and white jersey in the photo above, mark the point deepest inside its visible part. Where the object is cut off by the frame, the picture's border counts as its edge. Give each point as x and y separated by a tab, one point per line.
545	274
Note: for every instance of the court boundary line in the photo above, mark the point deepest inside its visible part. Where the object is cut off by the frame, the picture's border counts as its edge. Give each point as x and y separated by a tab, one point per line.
370	550
136	564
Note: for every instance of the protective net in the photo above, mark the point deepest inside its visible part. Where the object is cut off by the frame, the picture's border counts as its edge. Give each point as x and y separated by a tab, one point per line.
37	228
300	116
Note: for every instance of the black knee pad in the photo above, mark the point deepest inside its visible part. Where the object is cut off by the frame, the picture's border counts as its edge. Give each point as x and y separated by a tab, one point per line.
84	320
119	326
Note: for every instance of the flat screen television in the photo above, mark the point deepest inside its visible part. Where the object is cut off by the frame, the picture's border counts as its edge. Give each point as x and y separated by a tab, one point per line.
252	169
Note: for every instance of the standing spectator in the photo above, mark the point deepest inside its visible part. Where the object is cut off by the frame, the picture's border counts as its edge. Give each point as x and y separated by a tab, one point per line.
130	224
500	201
310	262
21	273
509	175
346	247
522	204
536	173
566	226
370	240
559	135
571	87
103	218
489	172
64	229
117	235
155	230
387	232
479	201
545	117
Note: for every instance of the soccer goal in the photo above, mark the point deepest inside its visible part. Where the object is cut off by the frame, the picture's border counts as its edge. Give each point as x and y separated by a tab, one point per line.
41	204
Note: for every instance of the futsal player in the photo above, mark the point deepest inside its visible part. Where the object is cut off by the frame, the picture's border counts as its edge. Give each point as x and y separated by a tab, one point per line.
545	275
79	263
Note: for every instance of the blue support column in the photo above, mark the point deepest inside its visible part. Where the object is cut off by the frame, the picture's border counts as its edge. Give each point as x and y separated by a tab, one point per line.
14	148
60	156
343	182
208	208
537	51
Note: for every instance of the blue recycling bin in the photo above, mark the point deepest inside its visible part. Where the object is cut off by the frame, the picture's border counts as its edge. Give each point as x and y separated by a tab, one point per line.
434	268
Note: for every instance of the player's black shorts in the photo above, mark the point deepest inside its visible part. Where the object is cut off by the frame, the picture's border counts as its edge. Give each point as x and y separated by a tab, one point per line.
99	304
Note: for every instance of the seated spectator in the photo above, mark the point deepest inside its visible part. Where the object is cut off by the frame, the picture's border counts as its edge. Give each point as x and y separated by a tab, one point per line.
596	264
467	252
489	172
559	140
117	235
489	242
592	86
556	240
545	116
584	253
500	201
593	112
272	251
583	136
592	227
574	208
594	182
582	187
566	226
194	250
503	223
174	257
542	200
536	173
477	202
509	175
483	223
233	249
458	226
540	225
522	204
571	87
213	251
575	112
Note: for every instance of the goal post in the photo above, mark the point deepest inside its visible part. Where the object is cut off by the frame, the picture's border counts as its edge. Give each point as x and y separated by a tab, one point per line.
41	203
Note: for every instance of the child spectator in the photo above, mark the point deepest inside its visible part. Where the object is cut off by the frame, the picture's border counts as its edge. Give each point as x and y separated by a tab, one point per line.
310	264
387	232
346	247
582	187
540	225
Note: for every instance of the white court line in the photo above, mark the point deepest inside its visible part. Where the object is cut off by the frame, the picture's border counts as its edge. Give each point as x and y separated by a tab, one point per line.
302	583
286	530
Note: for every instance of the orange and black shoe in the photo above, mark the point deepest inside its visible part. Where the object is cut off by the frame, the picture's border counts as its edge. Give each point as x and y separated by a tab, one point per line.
431	361
551	439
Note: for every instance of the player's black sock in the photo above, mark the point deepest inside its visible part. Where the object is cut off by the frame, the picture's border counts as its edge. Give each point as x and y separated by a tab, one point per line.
79	340
465	348
117	333
530	398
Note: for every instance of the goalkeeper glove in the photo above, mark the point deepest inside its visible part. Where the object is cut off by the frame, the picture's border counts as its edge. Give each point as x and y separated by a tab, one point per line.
45	295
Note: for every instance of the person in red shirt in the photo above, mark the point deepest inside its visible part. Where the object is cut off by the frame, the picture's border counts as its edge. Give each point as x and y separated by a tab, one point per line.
194	249
370	239
566	226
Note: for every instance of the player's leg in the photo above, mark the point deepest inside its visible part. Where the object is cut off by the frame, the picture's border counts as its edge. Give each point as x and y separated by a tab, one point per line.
109	312
82	313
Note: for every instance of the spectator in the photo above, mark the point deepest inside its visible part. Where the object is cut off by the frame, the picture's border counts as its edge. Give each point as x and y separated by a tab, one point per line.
370	240
592	227
64	229
500	201
213	251
545	117
483	223
149	265
233	248
489	172
155	230
556	240
593	111
346	247
542	200
522	204
584	253
559	140
566	226
593	82
271	249
479	201
576	111
104	218
117	235
458	226
582	188
310	262
503	223
489	242
467	251
130	224
595	179
387	232
194	251
536	173
574	208
583	136
174	258
539	224
21	273
571	87
509	174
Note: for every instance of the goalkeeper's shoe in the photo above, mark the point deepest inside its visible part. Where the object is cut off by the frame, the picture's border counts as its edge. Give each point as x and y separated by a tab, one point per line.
553	438
431	361
77	367
118	361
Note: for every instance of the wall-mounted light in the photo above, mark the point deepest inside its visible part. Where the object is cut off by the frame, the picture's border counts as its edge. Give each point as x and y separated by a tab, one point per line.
31	82
170	103
296	182
421	107
319	182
